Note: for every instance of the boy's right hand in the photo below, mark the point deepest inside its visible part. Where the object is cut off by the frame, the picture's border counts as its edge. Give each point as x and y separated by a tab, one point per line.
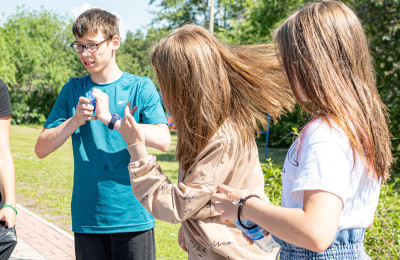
84	111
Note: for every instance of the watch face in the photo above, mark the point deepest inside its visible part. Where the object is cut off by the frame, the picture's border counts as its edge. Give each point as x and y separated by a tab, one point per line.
116	116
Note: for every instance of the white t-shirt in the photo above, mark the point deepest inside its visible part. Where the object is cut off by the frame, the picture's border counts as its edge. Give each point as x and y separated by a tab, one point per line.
324	161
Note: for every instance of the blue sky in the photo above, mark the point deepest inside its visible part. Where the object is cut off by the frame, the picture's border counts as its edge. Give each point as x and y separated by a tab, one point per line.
133	14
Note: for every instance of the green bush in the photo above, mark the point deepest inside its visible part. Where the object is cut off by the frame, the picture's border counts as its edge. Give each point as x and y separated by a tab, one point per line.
37	61
273	182
382	240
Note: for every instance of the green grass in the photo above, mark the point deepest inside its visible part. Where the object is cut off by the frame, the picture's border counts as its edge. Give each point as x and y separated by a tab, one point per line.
382	240
45	187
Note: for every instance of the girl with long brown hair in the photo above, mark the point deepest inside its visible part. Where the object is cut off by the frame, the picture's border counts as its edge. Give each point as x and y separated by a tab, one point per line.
218	96
333	171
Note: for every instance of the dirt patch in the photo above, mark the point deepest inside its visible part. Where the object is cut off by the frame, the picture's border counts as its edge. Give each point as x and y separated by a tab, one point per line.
62	221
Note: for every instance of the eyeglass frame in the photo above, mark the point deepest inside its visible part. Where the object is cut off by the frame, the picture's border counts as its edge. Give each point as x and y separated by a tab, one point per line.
85	46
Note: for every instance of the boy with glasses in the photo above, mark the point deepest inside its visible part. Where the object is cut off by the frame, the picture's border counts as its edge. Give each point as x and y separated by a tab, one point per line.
108	221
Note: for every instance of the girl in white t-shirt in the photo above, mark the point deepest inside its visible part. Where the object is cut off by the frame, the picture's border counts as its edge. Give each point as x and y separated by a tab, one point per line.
333	171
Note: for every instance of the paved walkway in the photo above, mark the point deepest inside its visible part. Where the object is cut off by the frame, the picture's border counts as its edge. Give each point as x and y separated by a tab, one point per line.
38	239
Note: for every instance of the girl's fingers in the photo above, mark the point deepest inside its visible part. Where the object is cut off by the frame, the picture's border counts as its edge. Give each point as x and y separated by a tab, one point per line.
127	111
134	109
224	189
247	238
218	197
218	206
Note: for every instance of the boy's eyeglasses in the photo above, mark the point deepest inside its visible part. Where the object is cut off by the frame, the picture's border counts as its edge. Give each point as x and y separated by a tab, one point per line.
93	47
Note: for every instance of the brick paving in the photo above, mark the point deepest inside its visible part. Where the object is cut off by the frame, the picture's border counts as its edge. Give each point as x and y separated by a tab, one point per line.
38	239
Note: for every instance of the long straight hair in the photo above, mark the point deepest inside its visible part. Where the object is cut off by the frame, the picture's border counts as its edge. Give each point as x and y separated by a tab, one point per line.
324	53
205	83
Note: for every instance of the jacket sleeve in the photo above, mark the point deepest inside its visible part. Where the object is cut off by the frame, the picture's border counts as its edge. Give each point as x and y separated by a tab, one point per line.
191	197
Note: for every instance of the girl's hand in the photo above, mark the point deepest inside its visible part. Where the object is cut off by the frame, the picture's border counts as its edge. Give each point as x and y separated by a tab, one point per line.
129	128
225	202
8	215
247	238
181	240
102	106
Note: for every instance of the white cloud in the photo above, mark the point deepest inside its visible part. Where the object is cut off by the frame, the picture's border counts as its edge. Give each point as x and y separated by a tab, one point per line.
80	9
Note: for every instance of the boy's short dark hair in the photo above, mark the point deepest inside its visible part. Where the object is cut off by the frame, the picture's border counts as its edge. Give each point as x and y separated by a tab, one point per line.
94	20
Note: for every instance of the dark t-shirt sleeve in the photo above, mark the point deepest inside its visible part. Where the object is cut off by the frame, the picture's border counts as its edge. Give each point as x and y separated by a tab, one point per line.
5	105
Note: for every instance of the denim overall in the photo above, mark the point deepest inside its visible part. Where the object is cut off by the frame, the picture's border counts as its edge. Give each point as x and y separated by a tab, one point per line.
348	244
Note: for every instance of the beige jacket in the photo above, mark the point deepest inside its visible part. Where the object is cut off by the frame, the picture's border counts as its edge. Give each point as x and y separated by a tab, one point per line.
189	202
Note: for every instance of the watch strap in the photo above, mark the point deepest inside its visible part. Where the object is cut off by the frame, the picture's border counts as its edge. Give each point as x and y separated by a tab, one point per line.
114	118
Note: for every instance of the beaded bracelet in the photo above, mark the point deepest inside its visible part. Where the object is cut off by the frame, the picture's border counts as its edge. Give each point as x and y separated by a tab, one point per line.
11	206
241	203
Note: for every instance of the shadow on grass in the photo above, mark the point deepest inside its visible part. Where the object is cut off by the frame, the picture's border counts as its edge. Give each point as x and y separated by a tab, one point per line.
166	157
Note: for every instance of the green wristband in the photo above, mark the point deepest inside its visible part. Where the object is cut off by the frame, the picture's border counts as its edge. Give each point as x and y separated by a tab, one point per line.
11	206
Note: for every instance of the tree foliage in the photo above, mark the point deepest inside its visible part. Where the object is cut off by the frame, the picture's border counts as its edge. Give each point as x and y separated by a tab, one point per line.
175	13
133	55
382	240
36	59
37	63
241	22
258	21
381	20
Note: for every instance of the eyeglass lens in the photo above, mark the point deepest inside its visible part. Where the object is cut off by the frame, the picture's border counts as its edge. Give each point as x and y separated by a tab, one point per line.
79	47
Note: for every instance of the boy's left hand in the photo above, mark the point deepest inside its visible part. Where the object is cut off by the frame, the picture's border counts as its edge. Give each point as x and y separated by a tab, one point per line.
102	106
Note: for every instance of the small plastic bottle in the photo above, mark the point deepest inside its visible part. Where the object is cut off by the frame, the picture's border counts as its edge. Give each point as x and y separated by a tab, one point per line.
266	243
92	99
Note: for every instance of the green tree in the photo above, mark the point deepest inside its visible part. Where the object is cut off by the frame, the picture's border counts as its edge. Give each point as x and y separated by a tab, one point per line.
35	46
258	20
176	13
236	22
381	20
133	55
8	70
242	22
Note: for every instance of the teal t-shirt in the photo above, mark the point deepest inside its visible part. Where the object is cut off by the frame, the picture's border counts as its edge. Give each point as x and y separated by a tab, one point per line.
102	198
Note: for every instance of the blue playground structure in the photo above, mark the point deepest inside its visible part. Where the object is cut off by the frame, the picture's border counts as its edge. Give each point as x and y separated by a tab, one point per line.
266	133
